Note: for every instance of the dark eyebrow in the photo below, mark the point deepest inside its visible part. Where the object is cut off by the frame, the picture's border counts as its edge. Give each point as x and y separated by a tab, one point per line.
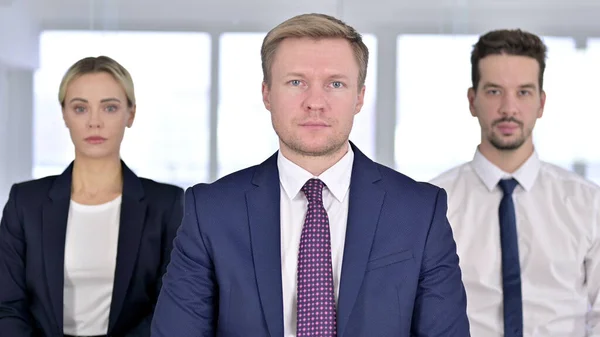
524	86
491	85
528	86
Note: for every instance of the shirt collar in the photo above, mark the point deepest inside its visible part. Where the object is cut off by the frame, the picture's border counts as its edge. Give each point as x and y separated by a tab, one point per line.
491	174
337	178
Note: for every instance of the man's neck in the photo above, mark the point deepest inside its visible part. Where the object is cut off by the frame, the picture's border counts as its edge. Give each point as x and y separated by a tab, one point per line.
316	165
507	160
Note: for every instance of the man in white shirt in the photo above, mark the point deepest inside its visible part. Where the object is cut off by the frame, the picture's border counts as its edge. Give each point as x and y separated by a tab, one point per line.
528	232
318	240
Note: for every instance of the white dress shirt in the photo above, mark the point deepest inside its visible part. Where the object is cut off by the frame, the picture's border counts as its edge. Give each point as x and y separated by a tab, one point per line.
293	210
90	261
558	230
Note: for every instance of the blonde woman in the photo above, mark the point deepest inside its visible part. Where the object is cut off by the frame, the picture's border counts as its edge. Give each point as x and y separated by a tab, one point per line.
83	253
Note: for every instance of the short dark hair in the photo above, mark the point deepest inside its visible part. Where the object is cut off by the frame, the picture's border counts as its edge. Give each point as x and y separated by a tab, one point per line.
510	42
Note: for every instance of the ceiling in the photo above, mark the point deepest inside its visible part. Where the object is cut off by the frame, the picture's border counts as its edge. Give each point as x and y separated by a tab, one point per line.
548	17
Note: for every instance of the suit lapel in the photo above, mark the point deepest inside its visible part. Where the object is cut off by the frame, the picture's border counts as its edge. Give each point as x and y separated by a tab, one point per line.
55	213
131	226
366	200
264	220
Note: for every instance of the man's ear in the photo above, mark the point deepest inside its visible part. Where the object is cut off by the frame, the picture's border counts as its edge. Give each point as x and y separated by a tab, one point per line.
266	95
471	97
542	104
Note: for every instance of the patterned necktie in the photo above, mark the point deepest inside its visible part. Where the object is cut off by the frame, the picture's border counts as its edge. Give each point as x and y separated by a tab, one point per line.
316	304
511	269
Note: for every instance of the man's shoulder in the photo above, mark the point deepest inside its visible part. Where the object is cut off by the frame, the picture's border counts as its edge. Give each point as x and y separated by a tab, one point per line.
568	180
398	182
236	181
448	177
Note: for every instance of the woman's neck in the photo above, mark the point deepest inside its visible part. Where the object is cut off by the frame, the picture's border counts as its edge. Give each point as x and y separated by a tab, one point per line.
96	181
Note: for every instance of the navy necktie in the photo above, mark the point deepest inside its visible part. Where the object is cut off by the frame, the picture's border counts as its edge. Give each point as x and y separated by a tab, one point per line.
511	269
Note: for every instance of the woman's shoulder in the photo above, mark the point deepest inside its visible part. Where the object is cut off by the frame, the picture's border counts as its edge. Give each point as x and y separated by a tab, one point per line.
31	193
35	187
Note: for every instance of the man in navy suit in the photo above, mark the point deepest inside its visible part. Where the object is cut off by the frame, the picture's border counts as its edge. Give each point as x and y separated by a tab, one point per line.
318	240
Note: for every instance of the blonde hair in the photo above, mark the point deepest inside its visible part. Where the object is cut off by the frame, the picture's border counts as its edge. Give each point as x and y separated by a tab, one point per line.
314	26
91	65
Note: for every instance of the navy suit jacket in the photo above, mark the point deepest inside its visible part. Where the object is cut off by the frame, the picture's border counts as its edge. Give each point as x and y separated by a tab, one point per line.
400	273
32	249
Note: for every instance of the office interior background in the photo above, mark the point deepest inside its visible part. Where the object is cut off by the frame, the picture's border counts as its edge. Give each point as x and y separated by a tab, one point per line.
196	68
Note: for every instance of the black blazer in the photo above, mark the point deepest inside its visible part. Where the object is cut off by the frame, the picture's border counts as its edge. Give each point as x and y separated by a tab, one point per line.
32	249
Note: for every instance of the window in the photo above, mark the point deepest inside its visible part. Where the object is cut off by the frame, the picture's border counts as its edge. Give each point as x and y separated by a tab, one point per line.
245	136
566	135
245	132
589	134
558	134
435	130
171	71
363	131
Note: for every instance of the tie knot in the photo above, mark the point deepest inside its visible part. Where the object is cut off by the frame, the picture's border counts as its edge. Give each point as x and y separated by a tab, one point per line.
508	185
313	189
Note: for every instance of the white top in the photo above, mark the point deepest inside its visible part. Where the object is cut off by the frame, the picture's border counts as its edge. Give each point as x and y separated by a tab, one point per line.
90	261
558	223
293	210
